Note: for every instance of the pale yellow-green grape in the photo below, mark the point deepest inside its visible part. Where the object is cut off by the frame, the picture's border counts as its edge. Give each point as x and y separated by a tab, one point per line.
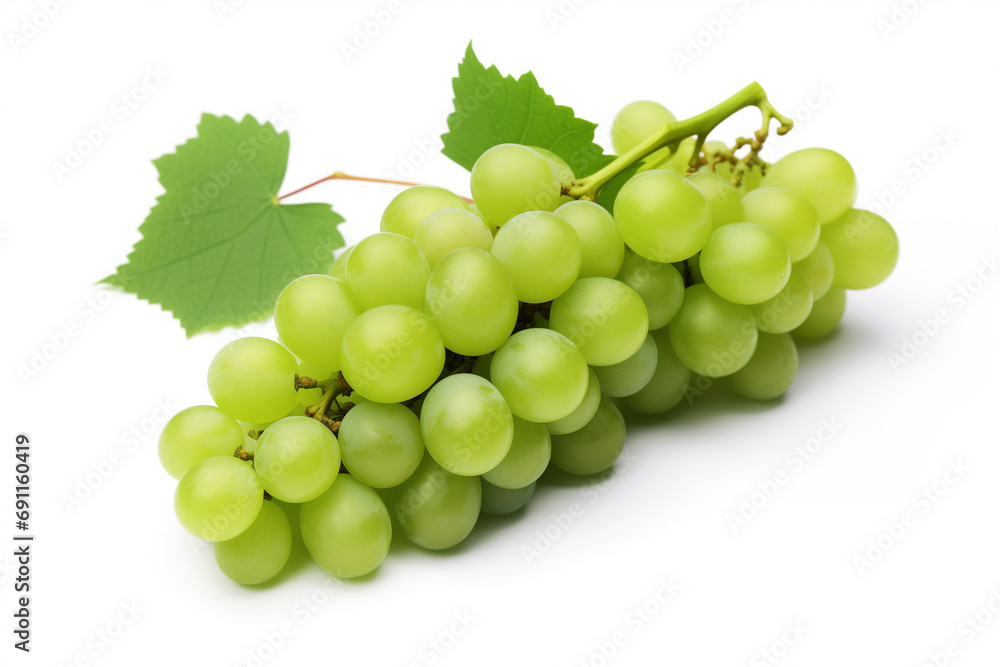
308	397
347	530
337	270
253	379
825	316
660	286
788	309
601	244
749	179
195	434
745	262
498	501
631	375
471	301
218	498
788	215
637	122
311	315
466	424
595	447
662	216
409	208
435	508
387	269
260	552
820	176
527	459
712	336
509	179
541	374
541	253
583	413
722	196
603	317
450	229
563	170
380	443
817	268
391	354
864	249
297	459
770	370
678	162
669	383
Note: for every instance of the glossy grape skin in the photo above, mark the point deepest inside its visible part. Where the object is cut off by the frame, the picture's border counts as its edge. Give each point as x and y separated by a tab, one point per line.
541	253
450	229
339	267
311	315
297	459
825	315
541	374
253	379
595	447
669	383
391	354
820	176
864	249
602	247
636	122
218	498
530	450
631	375
712	336
817	269
745	262
662	216
435	508
603	317
260	552
723	197
380	443
770	370
660	286
471	301
466	424
509	179
195	434
498	501
788	309
387	269
411	206
347	530
788	215
583	413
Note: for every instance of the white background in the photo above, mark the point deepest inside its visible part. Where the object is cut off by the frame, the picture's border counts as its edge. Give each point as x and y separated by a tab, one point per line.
880	99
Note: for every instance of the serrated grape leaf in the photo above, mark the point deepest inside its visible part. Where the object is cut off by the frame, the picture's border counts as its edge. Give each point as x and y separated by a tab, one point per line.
493	109
218	248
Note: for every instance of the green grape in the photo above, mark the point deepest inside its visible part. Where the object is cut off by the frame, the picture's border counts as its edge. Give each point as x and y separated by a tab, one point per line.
499	501
541	253
471	301
605	318
660	286
825	315
253	379
347	530
563	170
745	262
308	397
218	498
818	175
541	374
817	268
722	196
380	443
662	216
194	434
338	270
387	269
680	161
411	206
602	247
786	214
466	424
311	315
669	383
450	229
749	178
637	122
583	413
260	552
595	447
436	509
863	247
788	309
509	179
631	375
712	336
391	354
770	370
297	459
527	459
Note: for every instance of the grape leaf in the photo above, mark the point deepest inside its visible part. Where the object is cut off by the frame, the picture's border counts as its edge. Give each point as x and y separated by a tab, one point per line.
218	248
493	109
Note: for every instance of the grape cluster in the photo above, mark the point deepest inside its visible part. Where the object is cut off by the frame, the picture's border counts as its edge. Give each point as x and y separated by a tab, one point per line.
448	360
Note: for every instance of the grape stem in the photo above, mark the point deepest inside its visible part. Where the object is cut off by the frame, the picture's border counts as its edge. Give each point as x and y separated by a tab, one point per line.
671	134
341	176
332	388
